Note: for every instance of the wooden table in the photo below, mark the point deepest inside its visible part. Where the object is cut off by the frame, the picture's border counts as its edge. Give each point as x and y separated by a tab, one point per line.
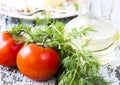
11	75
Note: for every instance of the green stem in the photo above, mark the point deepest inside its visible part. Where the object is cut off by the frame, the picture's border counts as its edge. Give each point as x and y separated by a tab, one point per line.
44	40
78	49
57	30
74	74
75	45
28	33
76	69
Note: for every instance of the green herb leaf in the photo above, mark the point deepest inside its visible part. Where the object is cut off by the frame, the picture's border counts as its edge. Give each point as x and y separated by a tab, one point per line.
81	32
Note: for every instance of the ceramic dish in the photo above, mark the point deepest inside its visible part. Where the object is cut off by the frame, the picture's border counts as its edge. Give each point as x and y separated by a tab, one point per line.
27	12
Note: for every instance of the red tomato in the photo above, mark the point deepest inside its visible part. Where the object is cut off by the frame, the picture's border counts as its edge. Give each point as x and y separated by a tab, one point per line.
8	49
37	63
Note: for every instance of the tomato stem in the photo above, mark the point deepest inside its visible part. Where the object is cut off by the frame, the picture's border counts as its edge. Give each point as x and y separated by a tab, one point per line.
45	40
